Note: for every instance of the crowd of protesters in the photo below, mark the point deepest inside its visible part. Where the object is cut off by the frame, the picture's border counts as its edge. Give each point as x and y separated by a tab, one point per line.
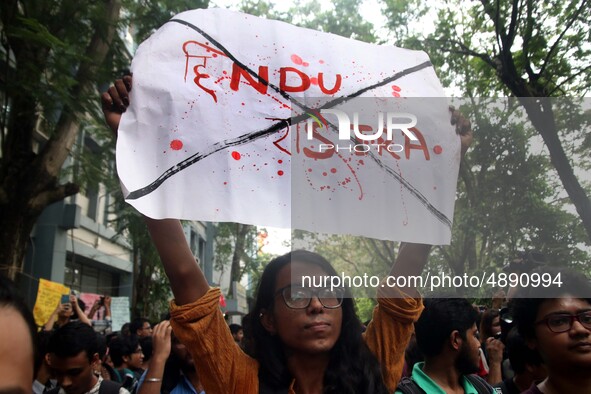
538	341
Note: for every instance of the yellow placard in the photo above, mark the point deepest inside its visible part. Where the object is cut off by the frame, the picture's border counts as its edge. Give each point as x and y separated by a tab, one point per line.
48	298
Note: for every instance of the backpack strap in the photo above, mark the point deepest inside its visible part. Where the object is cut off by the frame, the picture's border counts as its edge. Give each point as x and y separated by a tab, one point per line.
500	388
409	386
481	386
109	387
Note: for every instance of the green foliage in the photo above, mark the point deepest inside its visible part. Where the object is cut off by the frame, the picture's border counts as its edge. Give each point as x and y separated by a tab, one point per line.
509	197
351	256
146	16
237	249
506	201
341	17
365	308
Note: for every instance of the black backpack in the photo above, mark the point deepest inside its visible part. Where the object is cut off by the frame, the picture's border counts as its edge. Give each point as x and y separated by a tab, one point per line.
106	387
409	386
109	387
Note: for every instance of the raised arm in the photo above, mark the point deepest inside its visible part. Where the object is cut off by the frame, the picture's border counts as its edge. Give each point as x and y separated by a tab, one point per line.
186	278
81	315
392	325
53	318
107	305
152	383
95	307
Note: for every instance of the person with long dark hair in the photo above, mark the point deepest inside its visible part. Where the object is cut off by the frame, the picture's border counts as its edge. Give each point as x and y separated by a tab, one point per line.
304	339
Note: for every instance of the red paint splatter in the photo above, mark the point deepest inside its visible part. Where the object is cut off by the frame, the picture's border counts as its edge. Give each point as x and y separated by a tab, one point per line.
321	61
279	161
309	170
405	220
437	149
305	64
236	155
395	88
225	183
333	170
176	144
324	174
297	60
280	173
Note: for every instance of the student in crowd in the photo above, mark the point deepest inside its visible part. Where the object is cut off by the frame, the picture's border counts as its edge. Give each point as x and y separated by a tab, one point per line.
556	321
172	369
74	359
44	380
303	340
125	330
490	325
237	333
526	364
412	355
107	370
447	336
66	312
492	348
140	327
147	345
126	354
17	341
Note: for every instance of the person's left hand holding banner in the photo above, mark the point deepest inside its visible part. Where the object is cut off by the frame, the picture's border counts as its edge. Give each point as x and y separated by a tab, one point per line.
228	122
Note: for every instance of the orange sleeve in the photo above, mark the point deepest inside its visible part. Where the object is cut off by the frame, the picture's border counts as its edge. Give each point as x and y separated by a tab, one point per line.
222	366
389	332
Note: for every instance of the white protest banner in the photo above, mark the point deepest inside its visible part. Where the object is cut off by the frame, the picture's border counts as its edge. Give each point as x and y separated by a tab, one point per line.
119	312
228	122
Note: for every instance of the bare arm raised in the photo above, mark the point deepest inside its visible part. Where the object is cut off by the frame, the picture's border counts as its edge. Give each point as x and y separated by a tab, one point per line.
186	278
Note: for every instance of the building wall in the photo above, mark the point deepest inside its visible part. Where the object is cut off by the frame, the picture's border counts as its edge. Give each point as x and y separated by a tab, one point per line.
69	248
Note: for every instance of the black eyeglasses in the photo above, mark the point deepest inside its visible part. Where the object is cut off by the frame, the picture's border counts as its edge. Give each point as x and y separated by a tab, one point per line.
563	322
297	297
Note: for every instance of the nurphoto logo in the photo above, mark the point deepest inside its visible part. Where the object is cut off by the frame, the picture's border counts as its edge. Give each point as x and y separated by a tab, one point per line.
394	121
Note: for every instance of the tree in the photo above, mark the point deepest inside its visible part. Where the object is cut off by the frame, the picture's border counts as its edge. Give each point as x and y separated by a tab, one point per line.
234	244
506	203
340	17
49	72
529	49
56	53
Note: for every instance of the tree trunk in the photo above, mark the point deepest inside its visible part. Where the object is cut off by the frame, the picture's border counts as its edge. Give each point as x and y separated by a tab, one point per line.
29	182
541	115
235	272
14	235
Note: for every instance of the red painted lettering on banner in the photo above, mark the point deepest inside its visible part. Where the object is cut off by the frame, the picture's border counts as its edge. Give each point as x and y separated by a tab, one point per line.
259	84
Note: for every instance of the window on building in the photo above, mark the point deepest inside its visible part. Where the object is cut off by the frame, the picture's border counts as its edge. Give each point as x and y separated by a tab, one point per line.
88	278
